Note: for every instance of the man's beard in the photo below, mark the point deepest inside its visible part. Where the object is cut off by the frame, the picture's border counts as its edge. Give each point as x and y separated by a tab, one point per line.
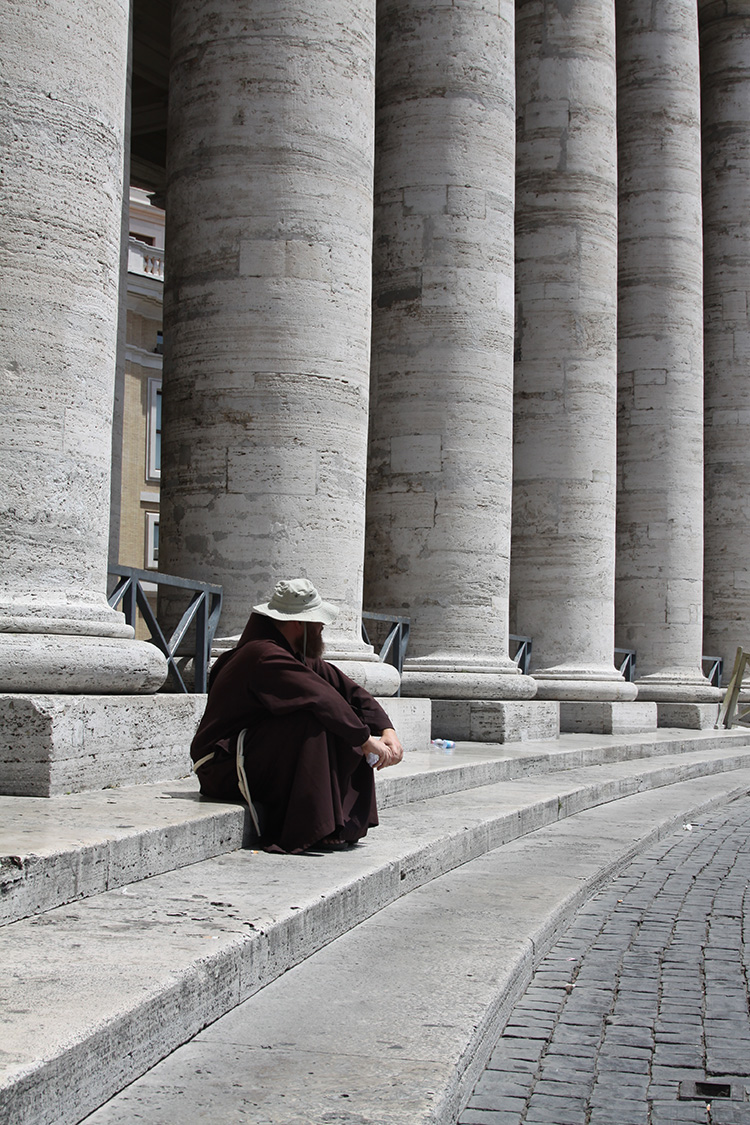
315	646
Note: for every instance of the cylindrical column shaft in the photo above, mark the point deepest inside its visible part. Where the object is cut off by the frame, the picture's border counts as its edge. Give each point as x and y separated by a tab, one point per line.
725	65
62	117
267	300
562	559
660	350
440	455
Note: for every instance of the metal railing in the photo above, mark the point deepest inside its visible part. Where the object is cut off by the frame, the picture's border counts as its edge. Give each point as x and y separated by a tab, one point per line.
203	611
393	648
713	669
625	663
520	652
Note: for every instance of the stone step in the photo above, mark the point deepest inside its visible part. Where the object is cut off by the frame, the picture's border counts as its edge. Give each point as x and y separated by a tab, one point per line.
103	988
394	1021
55	850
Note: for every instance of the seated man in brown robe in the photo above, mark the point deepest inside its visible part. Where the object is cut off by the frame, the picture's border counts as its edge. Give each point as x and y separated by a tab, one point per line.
289	733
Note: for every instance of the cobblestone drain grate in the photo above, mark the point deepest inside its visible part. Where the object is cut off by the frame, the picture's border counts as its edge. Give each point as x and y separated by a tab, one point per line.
703	1090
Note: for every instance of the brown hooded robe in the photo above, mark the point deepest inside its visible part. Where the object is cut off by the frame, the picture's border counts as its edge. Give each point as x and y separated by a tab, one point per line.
305	723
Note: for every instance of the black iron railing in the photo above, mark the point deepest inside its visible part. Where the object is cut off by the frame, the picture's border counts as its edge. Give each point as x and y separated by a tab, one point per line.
713	669
520	652
393	648
203	611
625	663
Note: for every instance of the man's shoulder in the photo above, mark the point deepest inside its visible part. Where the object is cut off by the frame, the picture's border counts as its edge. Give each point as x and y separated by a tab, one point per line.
251	653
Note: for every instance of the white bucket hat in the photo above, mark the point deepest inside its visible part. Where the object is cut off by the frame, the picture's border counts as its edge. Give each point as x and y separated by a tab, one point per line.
297	600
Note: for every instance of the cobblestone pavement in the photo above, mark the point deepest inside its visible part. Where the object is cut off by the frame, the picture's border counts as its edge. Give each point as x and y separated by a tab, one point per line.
646	992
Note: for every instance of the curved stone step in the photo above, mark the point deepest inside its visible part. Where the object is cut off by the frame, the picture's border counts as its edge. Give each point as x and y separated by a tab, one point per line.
121	979
395	1020
55	850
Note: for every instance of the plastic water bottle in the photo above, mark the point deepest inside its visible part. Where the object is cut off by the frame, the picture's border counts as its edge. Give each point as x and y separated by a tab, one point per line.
443	743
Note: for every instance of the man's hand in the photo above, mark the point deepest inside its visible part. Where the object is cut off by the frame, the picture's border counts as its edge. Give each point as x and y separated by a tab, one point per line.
388	749
390	738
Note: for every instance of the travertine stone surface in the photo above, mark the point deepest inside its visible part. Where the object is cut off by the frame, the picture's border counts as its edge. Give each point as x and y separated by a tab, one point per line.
607	718
267	301
495	720
691	716
440	451
562	561
62	110
52	744
659	579
725	63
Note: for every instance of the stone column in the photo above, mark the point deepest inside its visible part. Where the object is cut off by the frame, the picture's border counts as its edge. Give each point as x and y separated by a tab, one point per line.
267	304
562	573
725	65
62	110
440	454
660	352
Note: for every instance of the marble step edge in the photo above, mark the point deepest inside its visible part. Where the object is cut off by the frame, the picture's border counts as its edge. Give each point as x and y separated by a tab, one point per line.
38	874
515	902
139	1029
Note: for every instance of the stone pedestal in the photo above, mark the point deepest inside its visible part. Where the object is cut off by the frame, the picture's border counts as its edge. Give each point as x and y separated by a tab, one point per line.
267	304
660	353
62	111
691	716
562	559
53	744
441	412
480	720
725	76
607	718
411	719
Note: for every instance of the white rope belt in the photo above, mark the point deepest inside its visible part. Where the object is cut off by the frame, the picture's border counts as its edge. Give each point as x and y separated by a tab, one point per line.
241	776
242	779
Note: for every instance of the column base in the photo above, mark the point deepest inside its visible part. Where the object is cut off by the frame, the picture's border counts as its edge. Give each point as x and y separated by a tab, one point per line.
688	716
411	720
677	687
481	720
582	684
373	675
458	683
52	744
61	662
607	718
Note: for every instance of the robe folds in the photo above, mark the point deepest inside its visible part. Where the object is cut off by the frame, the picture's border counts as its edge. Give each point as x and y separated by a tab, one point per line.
305	722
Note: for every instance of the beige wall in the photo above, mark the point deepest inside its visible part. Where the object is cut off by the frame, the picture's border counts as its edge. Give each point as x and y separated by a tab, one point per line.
139	495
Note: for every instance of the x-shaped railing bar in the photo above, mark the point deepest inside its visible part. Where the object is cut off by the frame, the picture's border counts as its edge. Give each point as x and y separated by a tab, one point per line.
204	609
393	649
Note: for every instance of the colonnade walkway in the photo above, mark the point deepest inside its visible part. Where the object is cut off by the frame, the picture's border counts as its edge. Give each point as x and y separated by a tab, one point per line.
366	987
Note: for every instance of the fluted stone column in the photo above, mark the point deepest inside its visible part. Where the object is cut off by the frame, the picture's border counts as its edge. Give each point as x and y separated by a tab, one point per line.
62	109
660	353
440	455
725	66
562	572
267	304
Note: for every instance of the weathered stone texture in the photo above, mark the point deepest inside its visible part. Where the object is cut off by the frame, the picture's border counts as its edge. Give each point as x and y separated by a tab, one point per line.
562	563
267	301
725	64
660	349
440	450
52	744
61	128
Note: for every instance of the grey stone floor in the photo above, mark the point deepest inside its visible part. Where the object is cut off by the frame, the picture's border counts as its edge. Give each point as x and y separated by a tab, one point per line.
646	991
